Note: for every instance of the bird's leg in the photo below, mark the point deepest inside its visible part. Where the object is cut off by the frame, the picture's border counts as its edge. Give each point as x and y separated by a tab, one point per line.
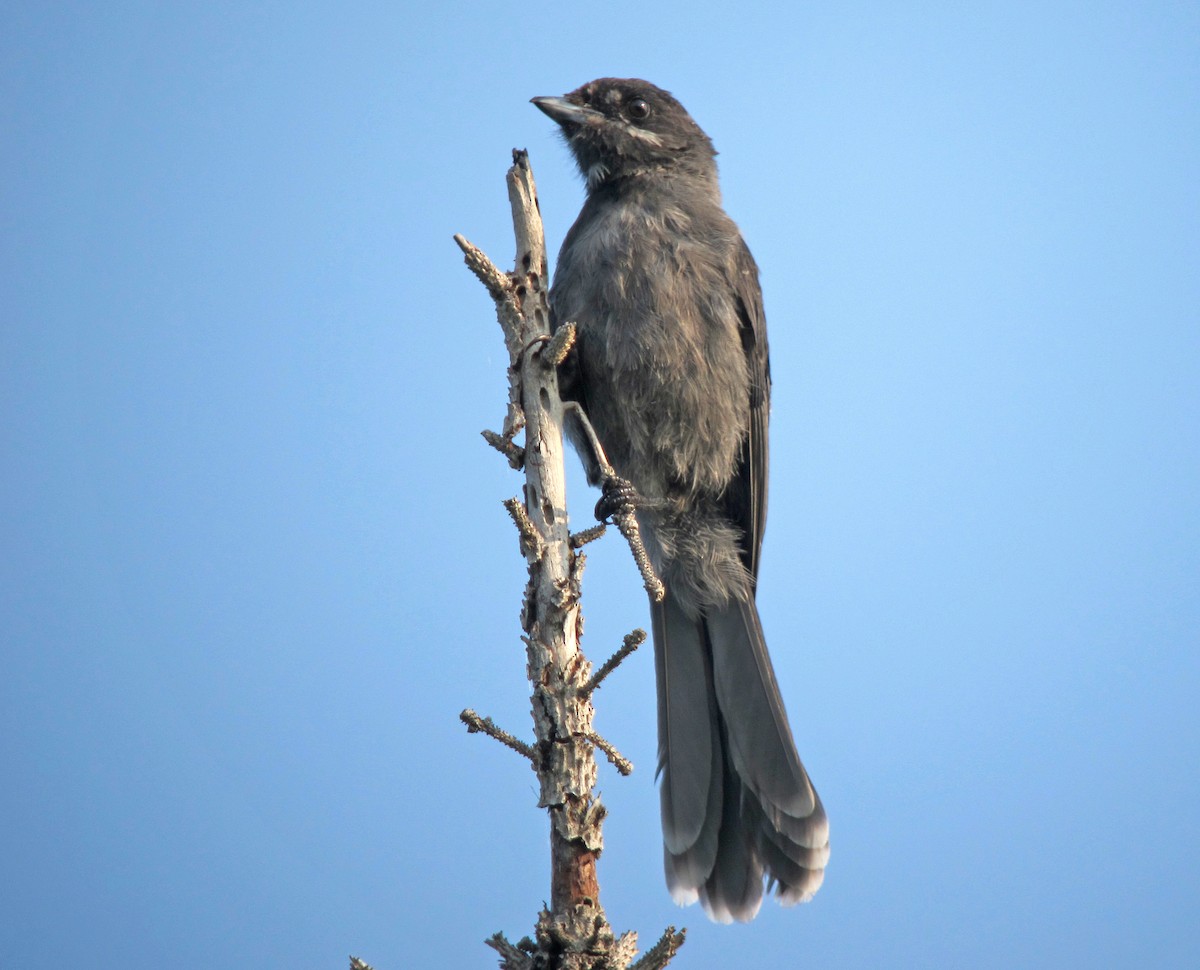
618	499
618	496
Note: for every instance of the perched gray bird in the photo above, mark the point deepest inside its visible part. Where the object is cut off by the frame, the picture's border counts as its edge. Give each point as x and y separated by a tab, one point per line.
671	369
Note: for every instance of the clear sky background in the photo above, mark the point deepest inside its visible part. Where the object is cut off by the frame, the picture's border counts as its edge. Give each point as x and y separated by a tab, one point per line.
254	561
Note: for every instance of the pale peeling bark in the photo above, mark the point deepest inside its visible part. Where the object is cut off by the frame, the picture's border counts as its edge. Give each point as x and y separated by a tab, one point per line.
573	933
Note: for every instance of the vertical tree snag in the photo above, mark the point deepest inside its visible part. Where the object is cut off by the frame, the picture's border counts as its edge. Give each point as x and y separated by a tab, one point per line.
573	933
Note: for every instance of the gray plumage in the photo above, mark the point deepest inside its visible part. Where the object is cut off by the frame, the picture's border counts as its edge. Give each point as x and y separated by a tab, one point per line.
671	368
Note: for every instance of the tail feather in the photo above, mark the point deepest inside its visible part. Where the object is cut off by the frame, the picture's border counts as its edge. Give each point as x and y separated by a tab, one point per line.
689	750
689	867
760	740
795	871
737	804
734	889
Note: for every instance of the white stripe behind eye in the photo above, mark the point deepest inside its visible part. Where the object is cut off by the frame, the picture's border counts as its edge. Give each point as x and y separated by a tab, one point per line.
649	137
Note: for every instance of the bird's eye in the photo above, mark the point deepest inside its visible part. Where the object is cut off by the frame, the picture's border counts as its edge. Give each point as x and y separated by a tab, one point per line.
638	109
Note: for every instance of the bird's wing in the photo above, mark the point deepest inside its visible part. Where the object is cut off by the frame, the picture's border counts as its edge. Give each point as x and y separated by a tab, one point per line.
746	497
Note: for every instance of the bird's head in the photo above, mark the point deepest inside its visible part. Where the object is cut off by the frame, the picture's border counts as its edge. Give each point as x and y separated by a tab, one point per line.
622	127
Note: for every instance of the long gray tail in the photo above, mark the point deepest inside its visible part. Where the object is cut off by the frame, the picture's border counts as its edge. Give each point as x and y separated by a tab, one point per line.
736	801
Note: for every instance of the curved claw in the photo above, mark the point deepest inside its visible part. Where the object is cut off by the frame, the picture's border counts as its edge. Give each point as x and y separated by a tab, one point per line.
618	497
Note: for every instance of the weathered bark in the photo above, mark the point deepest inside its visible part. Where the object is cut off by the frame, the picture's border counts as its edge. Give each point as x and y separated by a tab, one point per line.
573	934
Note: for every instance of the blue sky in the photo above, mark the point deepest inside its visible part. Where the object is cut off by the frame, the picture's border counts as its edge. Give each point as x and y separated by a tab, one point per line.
254	558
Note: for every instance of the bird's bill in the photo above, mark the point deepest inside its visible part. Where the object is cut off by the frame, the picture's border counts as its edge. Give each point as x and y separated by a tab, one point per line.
565	112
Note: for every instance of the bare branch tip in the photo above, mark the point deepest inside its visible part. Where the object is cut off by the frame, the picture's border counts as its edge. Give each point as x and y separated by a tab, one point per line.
623	765
498	284
505	445
659	955
560	345
631	642
532	543
511	957
514	420
485	725
580	539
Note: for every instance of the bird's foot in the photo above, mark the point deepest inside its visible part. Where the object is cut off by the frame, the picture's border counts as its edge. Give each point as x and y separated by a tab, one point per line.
617	497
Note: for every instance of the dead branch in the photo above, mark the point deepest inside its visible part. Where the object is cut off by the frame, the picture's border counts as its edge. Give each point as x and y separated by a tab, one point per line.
486	725
573	932
631	642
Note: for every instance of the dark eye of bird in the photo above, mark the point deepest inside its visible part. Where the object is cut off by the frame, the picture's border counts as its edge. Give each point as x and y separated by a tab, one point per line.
638	109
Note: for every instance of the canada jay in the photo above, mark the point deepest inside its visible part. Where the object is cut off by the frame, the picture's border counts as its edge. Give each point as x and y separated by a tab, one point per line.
671	369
